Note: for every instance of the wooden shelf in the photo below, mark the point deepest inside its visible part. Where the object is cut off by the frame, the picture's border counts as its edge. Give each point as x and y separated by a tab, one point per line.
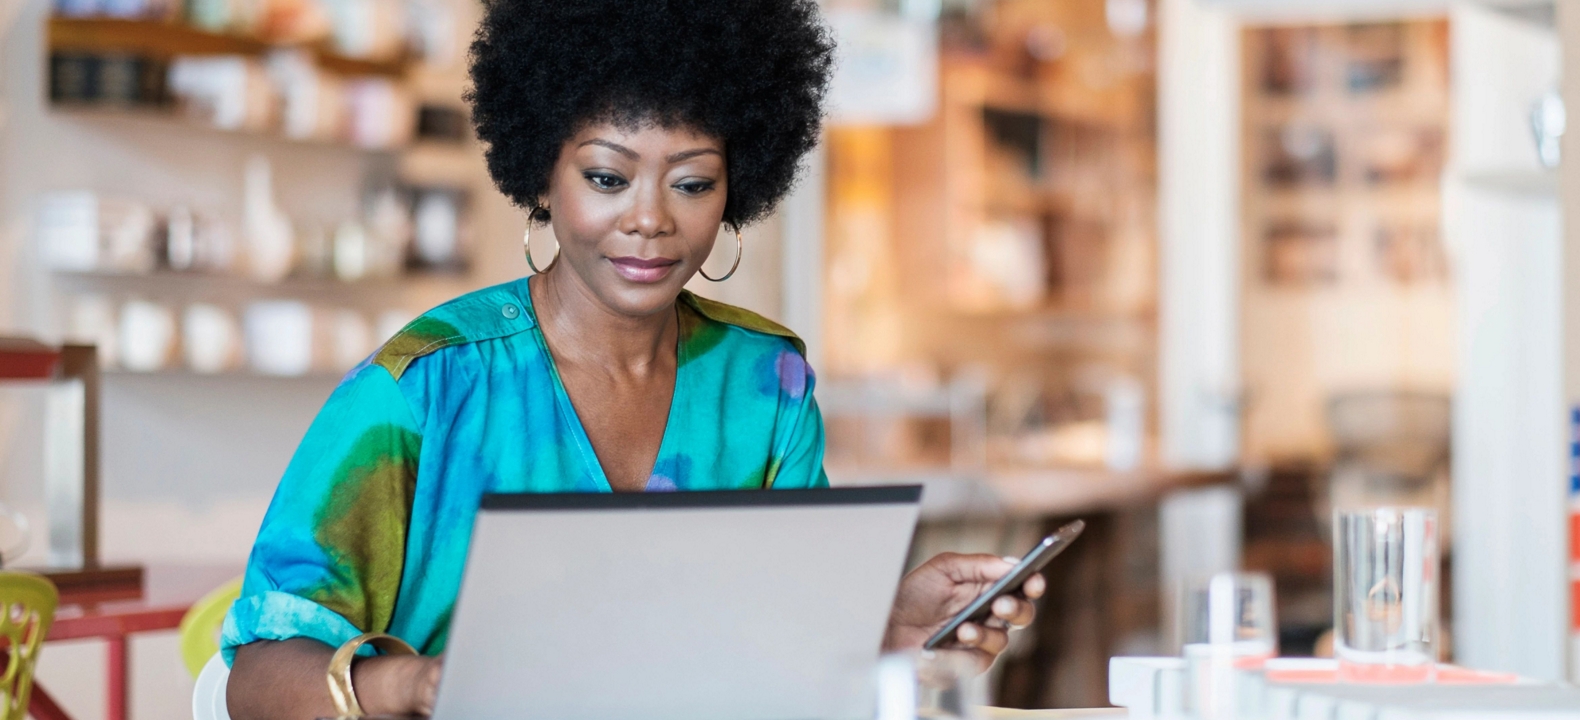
178	373
174	281
171	119
409	292
161	39
1517	181
1030	492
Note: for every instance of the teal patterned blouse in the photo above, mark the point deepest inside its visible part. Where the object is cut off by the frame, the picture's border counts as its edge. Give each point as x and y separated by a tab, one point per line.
368	530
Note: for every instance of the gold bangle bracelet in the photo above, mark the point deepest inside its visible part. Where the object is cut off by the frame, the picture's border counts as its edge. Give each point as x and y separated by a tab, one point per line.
340	689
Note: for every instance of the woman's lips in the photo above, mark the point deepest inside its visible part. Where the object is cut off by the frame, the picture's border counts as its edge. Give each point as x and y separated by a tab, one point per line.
643	270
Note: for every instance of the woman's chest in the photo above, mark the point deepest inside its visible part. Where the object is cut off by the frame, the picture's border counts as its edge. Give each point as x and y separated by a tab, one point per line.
525	435
624	419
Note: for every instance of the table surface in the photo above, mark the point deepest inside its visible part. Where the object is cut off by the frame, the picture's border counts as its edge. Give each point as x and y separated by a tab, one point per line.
168	590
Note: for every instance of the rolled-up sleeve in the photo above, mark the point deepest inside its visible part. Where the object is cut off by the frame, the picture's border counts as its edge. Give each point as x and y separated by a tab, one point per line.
328	560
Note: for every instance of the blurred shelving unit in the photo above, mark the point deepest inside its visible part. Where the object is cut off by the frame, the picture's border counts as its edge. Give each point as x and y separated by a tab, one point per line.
116	76
197	285
991	317
142	50
329	297
1010	236
167	39
1345	132
168	119
322	377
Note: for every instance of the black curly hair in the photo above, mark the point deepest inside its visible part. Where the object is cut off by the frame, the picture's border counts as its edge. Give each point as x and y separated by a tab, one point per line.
752	73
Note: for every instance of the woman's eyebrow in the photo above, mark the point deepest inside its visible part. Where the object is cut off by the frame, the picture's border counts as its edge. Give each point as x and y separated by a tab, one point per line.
689	154
617	147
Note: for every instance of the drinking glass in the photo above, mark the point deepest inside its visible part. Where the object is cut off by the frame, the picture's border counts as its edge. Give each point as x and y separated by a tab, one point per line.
1226	623
938	685
1385	576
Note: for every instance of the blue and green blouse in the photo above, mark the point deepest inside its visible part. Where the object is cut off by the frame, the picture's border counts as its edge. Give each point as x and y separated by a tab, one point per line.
368	530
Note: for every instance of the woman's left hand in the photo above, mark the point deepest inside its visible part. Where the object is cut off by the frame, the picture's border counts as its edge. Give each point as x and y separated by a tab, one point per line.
943	586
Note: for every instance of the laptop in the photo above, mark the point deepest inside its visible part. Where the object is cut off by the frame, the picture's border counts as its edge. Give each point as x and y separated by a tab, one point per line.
735	605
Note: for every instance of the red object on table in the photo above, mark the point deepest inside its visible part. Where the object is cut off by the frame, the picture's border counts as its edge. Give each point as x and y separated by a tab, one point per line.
1330	671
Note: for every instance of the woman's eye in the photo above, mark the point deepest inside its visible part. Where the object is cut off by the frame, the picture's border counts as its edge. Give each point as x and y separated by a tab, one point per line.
695	187
605	182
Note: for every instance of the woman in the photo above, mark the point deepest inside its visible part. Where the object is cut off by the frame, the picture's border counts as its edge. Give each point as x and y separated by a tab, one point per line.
636	129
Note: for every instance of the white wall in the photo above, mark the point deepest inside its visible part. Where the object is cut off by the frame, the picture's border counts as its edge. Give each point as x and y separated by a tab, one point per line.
1502	220
1199	286
1198	226
1569	186
801	244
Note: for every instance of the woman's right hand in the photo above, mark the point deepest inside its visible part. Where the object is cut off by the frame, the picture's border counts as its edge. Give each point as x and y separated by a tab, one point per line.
398	684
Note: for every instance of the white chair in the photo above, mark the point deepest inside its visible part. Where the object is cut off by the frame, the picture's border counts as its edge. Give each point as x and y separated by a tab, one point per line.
208	697
200	631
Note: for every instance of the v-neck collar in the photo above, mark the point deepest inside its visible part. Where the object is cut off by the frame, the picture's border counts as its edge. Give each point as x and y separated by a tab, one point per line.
567	409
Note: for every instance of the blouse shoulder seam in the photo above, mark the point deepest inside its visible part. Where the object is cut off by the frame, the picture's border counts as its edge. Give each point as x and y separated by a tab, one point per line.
742	318
486	314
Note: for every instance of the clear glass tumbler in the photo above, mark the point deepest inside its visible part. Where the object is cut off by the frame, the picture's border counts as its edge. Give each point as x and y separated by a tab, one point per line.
1385	594
1226	624
936	685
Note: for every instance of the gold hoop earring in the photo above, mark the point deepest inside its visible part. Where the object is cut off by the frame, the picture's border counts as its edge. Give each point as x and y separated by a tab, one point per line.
738	248
526	246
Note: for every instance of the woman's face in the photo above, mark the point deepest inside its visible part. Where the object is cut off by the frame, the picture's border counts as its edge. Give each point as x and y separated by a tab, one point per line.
636	211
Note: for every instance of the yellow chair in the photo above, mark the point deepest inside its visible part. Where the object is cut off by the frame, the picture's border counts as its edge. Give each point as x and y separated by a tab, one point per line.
27	607
200	627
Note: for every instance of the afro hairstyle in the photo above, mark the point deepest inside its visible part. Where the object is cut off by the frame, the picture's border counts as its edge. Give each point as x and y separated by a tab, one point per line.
752	73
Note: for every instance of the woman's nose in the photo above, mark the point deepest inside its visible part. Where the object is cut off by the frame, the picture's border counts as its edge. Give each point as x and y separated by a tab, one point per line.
648	215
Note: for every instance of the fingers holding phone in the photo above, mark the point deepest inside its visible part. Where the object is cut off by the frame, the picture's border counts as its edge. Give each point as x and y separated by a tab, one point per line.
1016	585
983	642
971	602
1016	611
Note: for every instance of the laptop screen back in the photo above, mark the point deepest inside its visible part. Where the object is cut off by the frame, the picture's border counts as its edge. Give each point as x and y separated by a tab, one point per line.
739	605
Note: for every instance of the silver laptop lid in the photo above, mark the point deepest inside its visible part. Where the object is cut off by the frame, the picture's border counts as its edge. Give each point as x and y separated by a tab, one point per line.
736	605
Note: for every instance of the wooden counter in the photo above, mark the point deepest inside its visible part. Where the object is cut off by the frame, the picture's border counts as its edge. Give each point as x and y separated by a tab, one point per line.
1030	492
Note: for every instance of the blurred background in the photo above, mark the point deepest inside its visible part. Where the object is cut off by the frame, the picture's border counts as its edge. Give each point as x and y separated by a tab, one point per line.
1197	271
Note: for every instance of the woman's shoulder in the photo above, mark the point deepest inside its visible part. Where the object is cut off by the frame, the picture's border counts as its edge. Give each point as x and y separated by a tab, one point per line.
751	326
768	360
486	314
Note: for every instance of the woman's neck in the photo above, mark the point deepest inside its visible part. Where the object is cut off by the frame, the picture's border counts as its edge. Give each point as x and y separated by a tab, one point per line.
581	329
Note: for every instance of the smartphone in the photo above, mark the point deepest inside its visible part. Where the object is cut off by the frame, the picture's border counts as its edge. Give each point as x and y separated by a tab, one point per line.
982	607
